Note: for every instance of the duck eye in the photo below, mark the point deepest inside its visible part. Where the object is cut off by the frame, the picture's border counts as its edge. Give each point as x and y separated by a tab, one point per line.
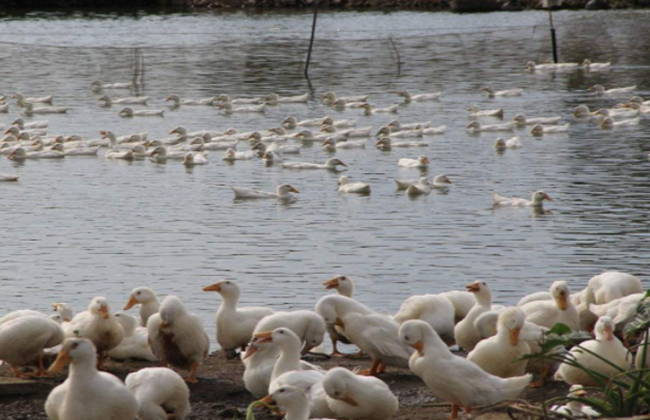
75	345
138	293
281	391
406	338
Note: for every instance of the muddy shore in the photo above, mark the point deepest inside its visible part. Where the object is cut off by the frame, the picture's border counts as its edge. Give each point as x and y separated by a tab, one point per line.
220	392
454	5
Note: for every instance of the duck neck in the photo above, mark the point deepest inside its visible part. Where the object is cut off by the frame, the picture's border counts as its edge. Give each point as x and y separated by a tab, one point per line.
81	370
484	298
347	291
149	308
298	410
288	361
229	303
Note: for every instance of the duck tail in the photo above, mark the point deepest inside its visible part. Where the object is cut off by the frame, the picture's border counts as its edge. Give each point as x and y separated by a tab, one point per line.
496	197
512	387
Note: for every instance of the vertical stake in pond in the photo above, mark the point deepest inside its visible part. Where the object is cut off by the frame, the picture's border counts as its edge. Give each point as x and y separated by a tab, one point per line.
553	39
549	4
311	41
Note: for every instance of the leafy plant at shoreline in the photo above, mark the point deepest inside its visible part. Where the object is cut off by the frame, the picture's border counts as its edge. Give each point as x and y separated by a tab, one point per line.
625	394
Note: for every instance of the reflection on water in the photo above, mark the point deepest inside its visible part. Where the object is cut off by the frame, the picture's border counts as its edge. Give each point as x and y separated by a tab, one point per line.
82	227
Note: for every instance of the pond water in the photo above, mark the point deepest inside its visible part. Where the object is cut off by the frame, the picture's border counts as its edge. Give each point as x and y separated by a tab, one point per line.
83	227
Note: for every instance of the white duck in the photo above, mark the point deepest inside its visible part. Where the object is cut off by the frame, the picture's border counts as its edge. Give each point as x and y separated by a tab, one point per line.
285	149
440	182
161	154
330	164
608	123
620	310
330	97
228	108
583	112
343	285
8	178
532	67
396	126
477	127
348	133
235	325
435	310
502	355
511	143
607	346
333	307
467	337
295	401
537	200
288	369
308	326
422	187
119	154
376	335
331	122
386	143
345	186
539	130
21	99
98	325
292	122
331	145
135	344
161	394
358	397
131	100
227	99
600	90
432	131
402	134
491	93
64	310
575	408
232	155
611	285
520	120
274	99
177	101
408	97
129	113
20	154
87	394
30	109
148	300
422	162
453	378
283	192
34	124
369	109
24	339
177	337
476	112
547	313
193	159
98	86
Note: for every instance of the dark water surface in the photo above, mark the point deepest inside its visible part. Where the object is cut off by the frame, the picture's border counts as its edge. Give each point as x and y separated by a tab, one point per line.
84	227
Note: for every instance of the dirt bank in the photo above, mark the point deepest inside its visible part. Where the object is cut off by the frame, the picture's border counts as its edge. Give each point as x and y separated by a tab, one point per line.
454	5
220	393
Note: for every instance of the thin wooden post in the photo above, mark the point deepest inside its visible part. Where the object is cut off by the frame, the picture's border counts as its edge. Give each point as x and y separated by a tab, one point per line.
311	41
553	38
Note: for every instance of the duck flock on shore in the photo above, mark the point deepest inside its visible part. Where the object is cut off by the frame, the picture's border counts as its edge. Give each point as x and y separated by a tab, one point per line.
271	345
